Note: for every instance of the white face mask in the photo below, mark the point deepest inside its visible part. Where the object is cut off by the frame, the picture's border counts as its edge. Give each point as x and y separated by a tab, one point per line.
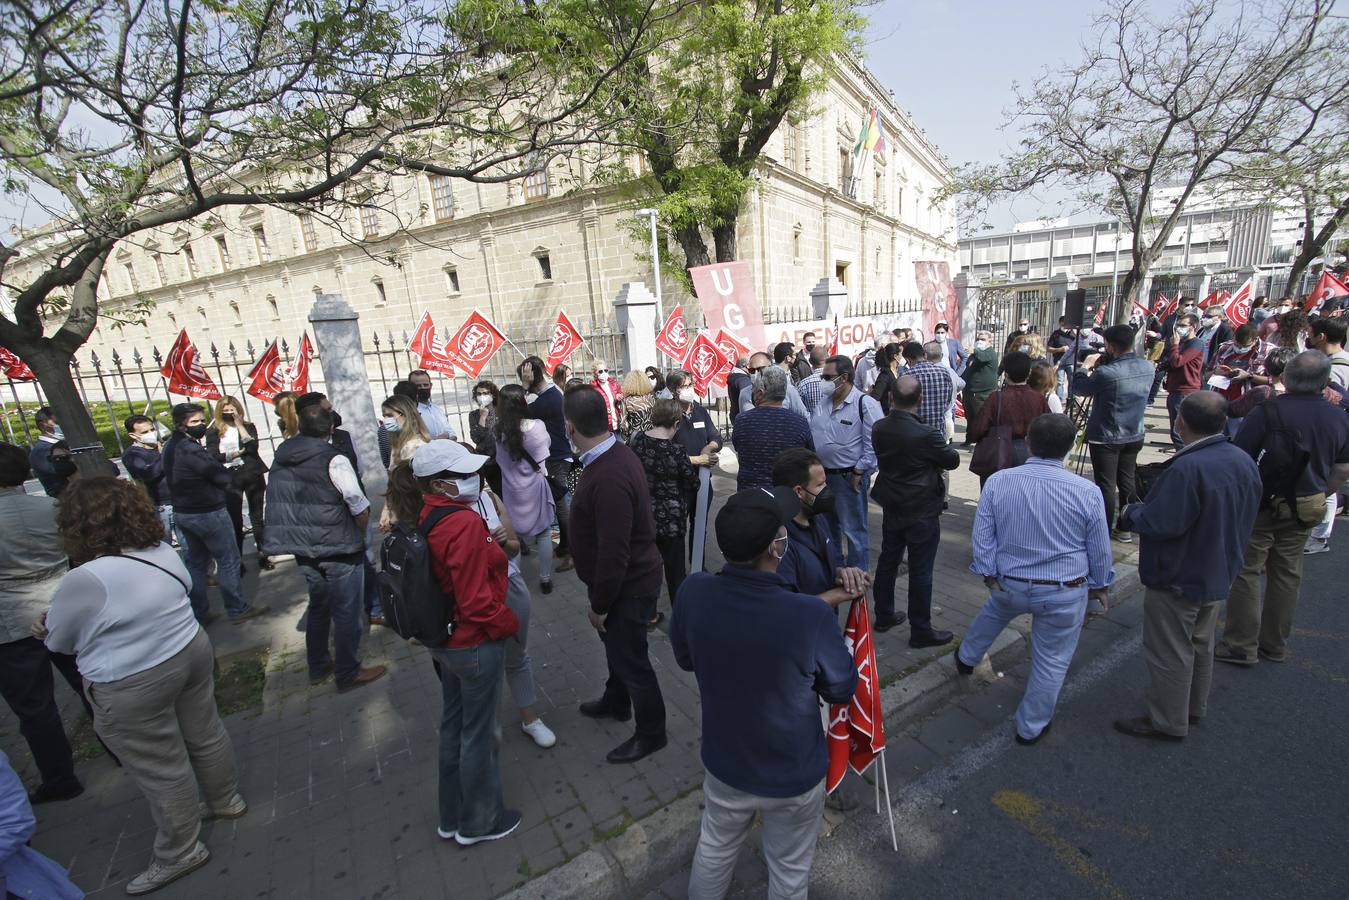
391	424
981	345
1022	348
484	399
149	439
688	395
1182	332
652	380
468	488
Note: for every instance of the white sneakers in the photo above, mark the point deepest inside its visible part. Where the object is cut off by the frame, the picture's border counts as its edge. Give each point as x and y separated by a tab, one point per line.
540	733
1316	545
160	874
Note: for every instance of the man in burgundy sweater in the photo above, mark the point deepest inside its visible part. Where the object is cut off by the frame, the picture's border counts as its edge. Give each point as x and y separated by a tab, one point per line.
613	542
1185	376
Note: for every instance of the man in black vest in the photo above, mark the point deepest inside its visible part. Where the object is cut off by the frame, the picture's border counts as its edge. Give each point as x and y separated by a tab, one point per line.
317	511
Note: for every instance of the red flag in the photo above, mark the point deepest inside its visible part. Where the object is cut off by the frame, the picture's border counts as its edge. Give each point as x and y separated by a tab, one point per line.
833	347
731	346
705	362
1216	298
1327	286
268	376
566	341
298	376
14	368
429	350
1100	315
1160	305
184	374
673	339
1238	307
960	408
857	729
476	342
1172	306
725	292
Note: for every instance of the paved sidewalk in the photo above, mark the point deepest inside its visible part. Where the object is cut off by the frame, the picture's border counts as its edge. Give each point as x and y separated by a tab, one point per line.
342	789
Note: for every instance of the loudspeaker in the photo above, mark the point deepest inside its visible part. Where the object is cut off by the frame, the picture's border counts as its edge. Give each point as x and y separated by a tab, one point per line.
1074	308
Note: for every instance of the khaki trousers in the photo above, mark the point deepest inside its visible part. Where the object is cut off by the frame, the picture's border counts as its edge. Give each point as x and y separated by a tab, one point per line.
1178	646
163	724
1274	550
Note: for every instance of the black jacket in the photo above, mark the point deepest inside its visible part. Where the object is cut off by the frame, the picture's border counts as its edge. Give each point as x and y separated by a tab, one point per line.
197	480
250	474
910	457
147	466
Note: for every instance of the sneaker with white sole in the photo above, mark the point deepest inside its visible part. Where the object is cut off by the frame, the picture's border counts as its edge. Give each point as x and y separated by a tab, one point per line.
508	822
445	835
541	733
160	874
236	807
1316	545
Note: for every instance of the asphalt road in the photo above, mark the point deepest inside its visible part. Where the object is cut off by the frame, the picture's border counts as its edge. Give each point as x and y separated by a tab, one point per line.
1255	803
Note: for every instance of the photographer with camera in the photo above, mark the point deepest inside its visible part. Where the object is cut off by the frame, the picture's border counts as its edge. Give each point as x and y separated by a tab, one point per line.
1119	381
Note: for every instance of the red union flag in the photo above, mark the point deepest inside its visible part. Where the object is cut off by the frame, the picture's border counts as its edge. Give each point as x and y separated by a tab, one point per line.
1238	306
705	362
1100	315
430	352
476	341
1160	305
298	376
14	368
1216	298
1327	286
857	729
673	339
726	293
184	374
731	346
566	341
268	377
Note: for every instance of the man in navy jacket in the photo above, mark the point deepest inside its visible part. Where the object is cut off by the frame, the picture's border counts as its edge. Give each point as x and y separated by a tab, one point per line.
764	657
1194	527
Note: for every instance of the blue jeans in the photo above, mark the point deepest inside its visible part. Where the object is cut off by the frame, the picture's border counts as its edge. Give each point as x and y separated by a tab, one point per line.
1056	623
470	774
207	536
849	518
336	588
171	533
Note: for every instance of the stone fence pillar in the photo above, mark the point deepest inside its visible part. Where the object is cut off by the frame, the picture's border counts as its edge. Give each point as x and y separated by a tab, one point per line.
635	307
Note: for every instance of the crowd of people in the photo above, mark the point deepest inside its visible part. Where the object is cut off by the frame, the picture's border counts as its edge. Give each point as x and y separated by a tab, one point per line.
91	584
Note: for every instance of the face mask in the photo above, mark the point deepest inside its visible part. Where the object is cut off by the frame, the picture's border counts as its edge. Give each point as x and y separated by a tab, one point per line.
227	418
149	439
652	380
423	395
468	488
783	541
59	432
602	375
821	503
1182	332
196	432
941	335
484	399
391	424
1022	348
981	345
688	395
337	419
63	466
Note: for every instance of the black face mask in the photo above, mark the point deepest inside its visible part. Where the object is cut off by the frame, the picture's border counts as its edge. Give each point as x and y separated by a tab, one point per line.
63	466
821	503
337	419
196	432
227	418
424	395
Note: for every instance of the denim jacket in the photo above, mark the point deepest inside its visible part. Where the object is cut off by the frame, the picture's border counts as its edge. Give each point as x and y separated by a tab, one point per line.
1121	390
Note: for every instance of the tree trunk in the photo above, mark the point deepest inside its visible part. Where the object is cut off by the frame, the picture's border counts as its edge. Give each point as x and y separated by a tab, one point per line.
725	237
52	368
1300	264
690	238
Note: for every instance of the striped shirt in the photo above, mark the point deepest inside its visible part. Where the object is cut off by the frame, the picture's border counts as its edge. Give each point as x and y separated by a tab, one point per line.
1015	536
813	388
939	390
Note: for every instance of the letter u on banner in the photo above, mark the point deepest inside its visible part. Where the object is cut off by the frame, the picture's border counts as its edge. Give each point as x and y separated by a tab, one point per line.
726	294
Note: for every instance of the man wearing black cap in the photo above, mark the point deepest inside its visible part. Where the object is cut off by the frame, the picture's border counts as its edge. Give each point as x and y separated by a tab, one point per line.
765	656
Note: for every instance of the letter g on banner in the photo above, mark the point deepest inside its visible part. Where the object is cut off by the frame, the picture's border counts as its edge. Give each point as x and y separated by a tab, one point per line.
726	293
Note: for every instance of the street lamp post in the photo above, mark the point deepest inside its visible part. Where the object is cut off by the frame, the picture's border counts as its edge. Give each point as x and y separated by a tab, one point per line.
655	261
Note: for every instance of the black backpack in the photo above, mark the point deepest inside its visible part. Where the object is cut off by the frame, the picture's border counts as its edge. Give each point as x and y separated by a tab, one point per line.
1282	458
415	605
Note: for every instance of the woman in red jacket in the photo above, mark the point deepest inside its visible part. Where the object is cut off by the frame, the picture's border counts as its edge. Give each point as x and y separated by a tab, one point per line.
470	566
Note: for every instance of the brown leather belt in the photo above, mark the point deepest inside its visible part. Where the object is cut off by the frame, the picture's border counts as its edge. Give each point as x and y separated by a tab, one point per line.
1074	583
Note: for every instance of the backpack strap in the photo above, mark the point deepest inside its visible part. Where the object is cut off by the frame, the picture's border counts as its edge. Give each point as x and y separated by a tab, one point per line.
436	516
1273	415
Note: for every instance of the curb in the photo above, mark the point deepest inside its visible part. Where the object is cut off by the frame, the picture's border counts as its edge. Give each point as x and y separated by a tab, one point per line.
661	844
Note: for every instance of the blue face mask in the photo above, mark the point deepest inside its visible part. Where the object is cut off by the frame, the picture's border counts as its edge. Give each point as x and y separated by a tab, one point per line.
391	424
59	432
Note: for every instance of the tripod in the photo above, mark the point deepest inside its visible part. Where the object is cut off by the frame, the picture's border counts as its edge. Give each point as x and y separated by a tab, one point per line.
1078	408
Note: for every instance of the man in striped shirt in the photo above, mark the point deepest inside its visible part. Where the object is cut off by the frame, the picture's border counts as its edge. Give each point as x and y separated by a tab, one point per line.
1042	546
939	388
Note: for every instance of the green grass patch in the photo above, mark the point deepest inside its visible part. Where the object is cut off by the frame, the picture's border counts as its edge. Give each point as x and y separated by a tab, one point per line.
239	682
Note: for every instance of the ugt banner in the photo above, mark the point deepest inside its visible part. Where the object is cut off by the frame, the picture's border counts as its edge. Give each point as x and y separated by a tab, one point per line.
705	362
430	350
566	340
726	294
268	375
857	729
476	342
184	374
673	339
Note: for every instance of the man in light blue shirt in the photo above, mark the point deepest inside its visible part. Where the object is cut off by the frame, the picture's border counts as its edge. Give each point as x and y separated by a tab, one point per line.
1041	544
841	428
433	417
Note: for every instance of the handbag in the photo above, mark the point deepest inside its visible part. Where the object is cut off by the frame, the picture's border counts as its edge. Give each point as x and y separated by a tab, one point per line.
998	450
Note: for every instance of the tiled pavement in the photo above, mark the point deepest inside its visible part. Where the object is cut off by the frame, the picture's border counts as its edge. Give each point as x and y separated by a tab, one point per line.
342	789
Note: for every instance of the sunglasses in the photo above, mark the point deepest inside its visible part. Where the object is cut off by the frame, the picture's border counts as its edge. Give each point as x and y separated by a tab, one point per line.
601	371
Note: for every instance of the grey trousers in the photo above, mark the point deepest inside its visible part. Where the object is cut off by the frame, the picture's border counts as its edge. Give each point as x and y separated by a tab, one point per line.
1178	637
791	828
164	726
519	669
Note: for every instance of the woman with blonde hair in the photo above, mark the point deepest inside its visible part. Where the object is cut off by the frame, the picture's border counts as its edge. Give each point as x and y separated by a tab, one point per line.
148	667
1042	378
402	420
638	397
287	419
233	440
1033	345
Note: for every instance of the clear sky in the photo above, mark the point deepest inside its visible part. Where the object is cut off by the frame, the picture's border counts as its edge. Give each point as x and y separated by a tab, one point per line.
952	66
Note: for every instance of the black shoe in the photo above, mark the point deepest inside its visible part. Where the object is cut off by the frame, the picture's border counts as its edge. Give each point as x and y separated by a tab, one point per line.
1194	720
885	623
961	667
265	564
320	677
50	793
1142	727
932	638
655	623
598	709
546	585
1222	654
1026	742
635	748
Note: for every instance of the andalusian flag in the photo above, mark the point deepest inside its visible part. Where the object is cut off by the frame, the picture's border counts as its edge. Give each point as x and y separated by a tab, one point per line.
872	135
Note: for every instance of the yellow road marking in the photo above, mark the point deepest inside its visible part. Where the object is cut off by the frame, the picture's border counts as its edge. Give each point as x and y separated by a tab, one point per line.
1029	812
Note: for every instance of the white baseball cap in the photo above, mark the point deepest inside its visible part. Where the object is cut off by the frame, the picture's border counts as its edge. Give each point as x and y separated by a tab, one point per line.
445	456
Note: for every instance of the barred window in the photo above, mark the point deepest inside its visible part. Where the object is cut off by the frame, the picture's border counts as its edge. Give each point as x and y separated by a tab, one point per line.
307	233
536	185
222	249
442	198
191	261
159	270
369	221
260	239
